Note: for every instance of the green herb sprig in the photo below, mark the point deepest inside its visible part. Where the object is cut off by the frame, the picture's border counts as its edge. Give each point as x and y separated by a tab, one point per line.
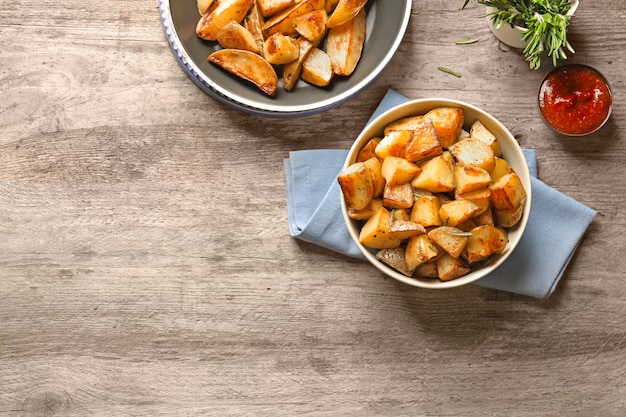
546	23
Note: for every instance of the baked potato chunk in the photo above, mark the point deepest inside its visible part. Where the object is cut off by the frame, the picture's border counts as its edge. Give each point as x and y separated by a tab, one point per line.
470	178
356	185
425	211
317	68
375	232
437	174
397	171
311	25
368	211
393	144
485	241
449	267
507	192
235	36
423	142
405	229
398	196
450	239
480	132
368	150
374	171
219	14
292	70
455	212
419	250
473	152
281	49
448	122
271	7
394	257
406	123
344	43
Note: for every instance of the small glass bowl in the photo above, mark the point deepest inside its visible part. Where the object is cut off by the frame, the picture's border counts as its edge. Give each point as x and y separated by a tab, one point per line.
575	99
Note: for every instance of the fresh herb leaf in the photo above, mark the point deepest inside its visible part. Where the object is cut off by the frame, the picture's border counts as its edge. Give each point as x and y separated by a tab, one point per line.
449	71
453	233
466	41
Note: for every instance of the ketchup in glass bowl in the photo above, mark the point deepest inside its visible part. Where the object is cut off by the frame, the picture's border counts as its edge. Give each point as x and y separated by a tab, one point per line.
575	99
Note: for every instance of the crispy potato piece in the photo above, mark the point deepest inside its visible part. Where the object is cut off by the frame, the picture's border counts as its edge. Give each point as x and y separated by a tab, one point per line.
426	270
368	211
280	49
405	229
393	144
449	268
437	174
456	212
398	196
509	217
317	68
486	217
356	185
500	169
219	14
254	23
397	171
344	44
271	7
374	170
473	152
235	36
394	257
368	150
507	192
292	70
485	241
248	66
203	6
481	197
448	122
426	211
479	131
282	22
423	142
470	178
375	232
311	25
344	11
401	214
406	123
419	250
450	239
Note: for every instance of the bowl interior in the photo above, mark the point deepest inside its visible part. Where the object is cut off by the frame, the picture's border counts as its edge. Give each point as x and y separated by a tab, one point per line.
511	151
385	29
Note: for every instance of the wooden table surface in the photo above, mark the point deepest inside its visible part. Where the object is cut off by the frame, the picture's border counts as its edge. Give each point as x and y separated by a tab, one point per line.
146	266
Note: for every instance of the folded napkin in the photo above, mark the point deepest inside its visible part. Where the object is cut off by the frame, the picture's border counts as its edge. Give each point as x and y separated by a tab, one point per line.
555	226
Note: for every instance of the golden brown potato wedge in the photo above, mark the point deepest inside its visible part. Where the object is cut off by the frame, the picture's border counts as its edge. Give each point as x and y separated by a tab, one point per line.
437	174
420	249
470	178
473	152
424	142
344	44
393	144
426	211
394	257
280	49
311	25
219	14
406	123
374	171
282	22
368	150
397	171
271	7
450	239
449	268
203	6
356	185
481	197
330	5
405	229
507	192
398	196
484	242
254	23
500	169
455	212
248	66
479	131
292	70
375	232
235	36
344	11
448	122
317	68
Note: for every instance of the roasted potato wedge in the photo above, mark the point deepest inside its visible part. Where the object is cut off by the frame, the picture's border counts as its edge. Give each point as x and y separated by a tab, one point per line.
420	249
397	171
437	174
398	196
449	268
473	152
248	66
281	49
271	7
375	232
292	70
219	14
254	23
450	239
394	257
448	122
203	6
508	192
368	211
423	142
484	241
311	25
356	185
282	22
235	36
455	212
344	11
405	229
374	171
470	178
368	150
393	144
344	44
426	211
480	132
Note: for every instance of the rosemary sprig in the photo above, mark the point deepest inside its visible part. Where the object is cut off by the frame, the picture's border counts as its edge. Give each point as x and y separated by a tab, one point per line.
449	71
546	23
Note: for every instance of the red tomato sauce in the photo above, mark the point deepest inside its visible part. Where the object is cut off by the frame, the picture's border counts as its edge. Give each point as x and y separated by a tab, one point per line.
575	99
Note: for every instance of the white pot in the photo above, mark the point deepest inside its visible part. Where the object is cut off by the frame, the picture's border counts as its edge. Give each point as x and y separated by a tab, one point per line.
512	35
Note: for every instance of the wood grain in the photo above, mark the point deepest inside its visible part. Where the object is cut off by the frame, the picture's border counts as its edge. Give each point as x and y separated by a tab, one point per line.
147	267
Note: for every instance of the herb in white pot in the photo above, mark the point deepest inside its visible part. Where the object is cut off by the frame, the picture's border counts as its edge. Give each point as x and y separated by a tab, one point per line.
543	25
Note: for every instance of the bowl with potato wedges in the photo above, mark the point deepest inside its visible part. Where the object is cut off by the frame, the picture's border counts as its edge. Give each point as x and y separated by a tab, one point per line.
284	58
435	193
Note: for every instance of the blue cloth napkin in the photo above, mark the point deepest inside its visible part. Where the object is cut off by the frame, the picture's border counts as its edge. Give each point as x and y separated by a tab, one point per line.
555	226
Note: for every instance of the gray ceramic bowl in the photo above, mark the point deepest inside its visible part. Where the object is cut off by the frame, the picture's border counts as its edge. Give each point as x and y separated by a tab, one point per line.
511	151
385	29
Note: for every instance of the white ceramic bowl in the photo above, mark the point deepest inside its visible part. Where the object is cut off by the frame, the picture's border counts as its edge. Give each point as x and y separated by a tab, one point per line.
511	151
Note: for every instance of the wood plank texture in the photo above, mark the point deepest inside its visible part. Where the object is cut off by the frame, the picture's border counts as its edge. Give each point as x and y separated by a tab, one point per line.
146	267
